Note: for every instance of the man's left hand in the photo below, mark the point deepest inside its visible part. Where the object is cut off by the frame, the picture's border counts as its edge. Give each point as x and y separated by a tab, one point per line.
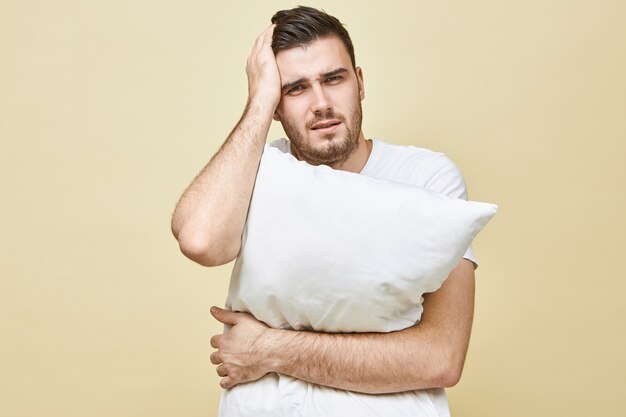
242	352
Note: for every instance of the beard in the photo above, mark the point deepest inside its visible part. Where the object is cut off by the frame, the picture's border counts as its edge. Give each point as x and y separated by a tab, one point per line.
335	150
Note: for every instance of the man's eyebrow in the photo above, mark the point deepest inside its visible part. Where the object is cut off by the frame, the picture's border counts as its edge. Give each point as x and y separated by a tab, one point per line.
334	72
301	80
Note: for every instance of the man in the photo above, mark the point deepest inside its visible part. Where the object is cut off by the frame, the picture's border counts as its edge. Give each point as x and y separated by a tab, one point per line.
302	72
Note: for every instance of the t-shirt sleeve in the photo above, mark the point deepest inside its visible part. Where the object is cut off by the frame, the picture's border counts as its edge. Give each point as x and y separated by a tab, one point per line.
443	176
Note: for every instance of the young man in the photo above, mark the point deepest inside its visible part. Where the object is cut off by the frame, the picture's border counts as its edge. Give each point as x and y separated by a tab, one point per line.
302	72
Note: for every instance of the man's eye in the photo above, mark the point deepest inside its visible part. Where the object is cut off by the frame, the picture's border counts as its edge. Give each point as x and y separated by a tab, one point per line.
296	89
334	79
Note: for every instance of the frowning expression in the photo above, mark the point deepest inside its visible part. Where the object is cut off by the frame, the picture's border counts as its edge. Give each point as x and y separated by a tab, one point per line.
320	106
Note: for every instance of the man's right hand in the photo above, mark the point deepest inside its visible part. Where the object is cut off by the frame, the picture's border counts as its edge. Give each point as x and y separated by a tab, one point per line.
263	76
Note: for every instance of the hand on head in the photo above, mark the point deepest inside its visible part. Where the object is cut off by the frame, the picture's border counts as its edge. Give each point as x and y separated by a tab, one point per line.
263	76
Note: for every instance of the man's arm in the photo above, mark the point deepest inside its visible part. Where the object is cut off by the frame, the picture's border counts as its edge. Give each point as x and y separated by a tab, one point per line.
210	216
427	355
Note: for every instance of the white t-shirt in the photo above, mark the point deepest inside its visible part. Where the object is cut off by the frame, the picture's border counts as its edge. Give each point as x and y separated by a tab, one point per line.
281	395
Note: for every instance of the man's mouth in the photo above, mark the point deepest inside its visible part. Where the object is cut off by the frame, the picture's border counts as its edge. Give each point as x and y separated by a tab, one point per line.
325	124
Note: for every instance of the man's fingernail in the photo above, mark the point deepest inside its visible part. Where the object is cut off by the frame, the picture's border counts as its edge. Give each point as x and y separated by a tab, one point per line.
213	309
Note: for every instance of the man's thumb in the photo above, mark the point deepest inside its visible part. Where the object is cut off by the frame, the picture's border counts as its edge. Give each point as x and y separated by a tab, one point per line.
224	316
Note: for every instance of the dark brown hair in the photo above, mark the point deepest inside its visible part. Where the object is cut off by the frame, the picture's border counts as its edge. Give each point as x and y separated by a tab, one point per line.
303	25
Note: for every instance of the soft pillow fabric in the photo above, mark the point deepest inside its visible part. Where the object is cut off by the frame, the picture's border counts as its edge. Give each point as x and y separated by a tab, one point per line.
334	251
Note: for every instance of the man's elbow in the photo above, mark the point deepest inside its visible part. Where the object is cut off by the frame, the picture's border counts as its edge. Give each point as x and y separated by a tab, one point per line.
450	377
449	373
207	252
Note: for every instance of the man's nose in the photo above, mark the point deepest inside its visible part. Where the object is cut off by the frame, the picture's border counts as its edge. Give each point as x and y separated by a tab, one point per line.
321	101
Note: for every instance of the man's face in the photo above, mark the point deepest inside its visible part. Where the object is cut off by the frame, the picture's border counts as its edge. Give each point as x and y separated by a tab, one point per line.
320	106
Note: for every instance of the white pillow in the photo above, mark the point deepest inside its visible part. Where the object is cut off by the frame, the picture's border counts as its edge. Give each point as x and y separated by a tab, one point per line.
334	251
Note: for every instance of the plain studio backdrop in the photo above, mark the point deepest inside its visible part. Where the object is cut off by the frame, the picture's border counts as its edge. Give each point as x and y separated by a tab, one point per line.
109	109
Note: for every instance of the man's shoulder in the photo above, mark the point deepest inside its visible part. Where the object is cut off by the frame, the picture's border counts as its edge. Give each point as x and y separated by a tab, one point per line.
404	163
403	152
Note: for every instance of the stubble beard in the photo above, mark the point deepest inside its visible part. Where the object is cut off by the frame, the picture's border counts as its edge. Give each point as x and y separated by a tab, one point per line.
335	151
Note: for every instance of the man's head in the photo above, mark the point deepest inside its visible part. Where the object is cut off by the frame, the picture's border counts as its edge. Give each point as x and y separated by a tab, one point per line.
322	89
304	25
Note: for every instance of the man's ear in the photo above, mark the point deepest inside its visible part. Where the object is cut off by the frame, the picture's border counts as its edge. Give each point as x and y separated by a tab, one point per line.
359	78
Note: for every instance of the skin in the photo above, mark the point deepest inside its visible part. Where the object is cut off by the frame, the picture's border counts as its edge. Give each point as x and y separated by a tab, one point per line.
305	88
319	84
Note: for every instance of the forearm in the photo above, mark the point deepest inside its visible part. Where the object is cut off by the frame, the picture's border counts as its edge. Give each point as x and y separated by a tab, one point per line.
373	363
209	218
428	355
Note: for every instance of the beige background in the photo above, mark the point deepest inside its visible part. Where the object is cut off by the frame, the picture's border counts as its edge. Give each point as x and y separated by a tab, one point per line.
109	109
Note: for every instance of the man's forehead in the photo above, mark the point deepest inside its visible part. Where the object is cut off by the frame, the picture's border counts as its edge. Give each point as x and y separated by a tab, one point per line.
320	57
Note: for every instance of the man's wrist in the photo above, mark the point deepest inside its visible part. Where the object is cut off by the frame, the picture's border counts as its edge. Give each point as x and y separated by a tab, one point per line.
274	349
263	100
